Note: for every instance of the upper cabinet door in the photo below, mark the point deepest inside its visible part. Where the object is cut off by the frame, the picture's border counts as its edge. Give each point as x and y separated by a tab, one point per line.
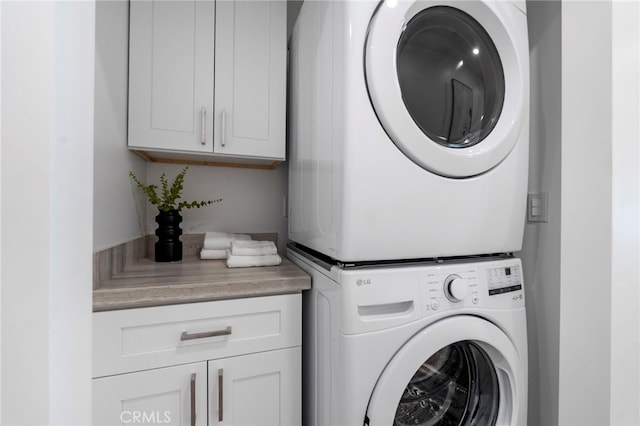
171	66
250	78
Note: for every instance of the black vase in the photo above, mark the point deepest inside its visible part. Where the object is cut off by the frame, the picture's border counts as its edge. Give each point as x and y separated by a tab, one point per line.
168	247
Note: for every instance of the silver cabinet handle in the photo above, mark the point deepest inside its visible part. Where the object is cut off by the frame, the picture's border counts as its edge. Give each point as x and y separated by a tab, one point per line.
203	125
223	127
193	399
190	336
220	398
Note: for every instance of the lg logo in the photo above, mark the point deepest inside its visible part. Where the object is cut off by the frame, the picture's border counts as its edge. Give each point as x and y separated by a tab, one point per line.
361	281
152	417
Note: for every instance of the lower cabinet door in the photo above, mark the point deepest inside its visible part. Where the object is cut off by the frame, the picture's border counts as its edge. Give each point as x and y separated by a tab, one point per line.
257	389
165	396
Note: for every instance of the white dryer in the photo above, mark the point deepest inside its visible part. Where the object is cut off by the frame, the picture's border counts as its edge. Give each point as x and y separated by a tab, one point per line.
409	128
416	344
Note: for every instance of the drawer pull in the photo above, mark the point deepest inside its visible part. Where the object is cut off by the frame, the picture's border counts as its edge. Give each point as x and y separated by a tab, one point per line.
193	399
190	336
220	399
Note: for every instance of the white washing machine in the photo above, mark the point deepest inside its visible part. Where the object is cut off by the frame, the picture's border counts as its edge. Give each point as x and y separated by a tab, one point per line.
415	344
409	128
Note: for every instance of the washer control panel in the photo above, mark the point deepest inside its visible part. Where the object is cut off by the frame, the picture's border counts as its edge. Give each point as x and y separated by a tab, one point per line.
383	297
491	284
504	279
443	287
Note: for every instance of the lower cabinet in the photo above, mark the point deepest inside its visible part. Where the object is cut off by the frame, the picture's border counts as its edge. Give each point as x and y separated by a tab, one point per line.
251	390
257	389
225	385
172	395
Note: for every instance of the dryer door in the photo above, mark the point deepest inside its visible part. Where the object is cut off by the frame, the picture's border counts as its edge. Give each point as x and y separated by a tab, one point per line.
447	81
459	371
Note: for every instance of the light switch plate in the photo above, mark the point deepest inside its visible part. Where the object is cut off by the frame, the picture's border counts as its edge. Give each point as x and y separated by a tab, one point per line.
538	207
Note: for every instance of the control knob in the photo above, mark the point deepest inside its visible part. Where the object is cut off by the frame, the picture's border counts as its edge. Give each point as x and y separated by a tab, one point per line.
456	288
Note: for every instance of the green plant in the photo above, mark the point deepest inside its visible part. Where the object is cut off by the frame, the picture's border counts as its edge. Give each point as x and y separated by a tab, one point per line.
170	195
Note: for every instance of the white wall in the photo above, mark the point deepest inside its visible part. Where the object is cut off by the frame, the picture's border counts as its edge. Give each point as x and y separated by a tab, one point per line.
541	248
115	204
47	127
582	268
252	199
599	377
1	216
585	293
19	317
625	297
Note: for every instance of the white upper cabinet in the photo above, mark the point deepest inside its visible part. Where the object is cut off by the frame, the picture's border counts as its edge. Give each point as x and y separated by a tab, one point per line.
250	95
207	80
171	65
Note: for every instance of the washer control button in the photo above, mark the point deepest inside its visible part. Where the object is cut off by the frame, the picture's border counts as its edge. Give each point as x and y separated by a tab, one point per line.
456	288
435	305
474	298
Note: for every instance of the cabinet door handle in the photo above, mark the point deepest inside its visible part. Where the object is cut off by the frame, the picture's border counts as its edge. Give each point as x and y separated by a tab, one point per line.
223	127
190	336
203	125
193	399
220	398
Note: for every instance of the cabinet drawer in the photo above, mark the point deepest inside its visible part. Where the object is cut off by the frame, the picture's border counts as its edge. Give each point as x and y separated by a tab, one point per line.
140	339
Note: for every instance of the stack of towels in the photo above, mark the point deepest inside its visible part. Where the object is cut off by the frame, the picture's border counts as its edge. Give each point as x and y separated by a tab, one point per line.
217	244
239	250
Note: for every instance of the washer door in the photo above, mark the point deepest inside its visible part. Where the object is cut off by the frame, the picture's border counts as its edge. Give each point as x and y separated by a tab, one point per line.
459	371
445	81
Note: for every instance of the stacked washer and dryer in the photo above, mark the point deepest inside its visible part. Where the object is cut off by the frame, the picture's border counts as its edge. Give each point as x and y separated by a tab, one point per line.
409	124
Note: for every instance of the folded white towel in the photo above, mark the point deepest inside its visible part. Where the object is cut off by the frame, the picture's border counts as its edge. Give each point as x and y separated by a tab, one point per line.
221	240
212	254
234	261
253	248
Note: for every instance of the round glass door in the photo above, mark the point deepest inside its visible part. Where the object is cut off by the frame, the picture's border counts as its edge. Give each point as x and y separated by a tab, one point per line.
448	81
461	370
457	385
450	76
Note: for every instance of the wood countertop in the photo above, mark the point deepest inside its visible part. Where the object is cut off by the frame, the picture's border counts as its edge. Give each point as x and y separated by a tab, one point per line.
124	277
